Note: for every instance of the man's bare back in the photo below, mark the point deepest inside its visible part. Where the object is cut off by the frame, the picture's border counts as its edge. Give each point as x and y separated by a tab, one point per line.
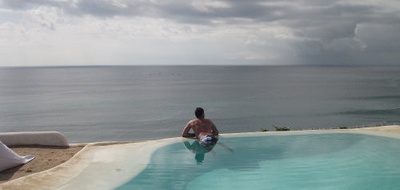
204	130
200	126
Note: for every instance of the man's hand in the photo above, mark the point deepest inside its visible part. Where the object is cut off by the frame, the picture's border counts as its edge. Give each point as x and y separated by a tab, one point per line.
188	135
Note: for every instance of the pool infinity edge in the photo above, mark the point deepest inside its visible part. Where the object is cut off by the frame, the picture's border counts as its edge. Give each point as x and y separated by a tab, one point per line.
107	165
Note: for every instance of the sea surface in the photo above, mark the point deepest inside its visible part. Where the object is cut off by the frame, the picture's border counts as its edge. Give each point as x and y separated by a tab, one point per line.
118	103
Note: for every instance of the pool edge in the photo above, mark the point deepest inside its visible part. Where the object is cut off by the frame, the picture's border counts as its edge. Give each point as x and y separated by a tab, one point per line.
98	155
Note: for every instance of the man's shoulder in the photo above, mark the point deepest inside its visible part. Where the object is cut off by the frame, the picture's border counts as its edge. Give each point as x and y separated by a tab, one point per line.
193	121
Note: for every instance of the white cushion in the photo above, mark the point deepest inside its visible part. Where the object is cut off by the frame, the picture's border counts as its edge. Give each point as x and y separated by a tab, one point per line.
46	138
9	158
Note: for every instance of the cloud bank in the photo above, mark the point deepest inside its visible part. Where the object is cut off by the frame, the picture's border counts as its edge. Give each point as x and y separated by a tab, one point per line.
199	32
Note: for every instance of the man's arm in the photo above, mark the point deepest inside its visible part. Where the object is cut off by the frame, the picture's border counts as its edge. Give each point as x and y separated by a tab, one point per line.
185	132
214	129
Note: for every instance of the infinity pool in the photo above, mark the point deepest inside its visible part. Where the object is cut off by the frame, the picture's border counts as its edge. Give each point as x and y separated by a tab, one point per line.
306	161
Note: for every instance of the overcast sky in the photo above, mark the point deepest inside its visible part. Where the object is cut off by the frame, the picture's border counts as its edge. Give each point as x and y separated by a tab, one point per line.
199	32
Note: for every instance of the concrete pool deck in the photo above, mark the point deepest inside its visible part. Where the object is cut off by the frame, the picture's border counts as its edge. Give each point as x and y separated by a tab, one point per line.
106	165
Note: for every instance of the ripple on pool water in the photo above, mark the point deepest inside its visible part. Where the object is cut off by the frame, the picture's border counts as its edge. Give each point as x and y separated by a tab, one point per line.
314	161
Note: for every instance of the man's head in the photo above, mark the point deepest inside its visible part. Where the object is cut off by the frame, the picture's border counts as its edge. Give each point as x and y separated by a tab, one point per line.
199	112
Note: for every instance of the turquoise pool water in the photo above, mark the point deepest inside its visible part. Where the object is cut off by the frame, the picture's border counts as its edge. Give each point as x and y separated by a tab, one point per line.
313	161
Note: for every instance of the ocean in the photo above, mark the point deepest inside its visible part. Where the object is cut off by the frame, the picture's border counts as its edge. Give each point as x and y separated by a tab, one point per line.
132	103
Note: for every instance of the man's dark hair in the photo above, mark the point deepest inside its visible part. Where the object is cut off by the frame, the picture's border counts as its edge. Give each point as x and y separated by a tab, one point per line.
199	112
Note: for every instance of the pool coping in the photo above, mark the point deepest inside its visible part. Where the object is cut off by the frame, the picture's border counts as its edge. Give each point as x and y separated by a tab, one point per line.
102	163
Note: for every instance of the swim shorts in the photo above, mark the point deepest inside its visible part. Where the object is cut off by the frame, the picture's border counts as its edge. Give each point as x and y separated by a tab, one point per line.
208	139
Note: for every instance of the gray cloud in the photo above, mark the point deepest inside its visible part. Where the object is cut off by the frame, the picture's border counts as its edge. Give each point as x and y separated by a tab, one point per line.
324	31
186	10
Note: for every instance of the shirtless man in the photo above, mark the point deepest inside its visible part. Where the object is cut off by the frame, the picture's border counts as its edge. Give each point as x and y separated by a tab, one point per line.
204	129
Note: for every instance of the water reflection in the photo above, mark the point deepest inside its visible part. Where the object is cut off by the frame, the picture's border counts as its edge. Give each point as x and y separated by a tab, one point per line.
266	158
200	149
